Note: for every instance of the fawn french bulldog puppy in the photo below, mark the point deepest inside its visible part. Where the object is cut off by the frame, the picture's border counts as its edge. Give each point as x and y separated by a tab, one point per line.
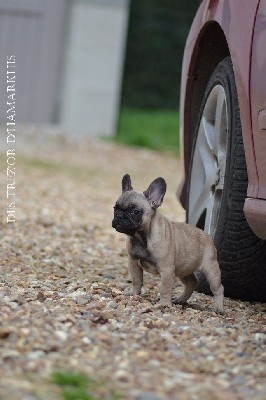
162	247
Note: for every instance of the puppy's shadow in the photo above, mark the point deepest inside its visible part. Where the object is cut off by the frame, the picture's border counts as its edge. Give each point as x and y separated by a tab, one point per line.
193	306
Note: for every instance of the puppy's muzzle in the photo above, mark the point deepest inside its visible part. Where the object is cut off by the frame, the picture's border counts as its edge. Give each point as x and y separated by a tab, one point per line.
123	223
117	222
118	219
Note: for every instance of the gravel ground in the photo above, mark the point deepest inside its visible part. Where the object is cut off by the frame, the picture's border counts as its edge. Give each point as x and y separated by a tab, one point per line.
63	278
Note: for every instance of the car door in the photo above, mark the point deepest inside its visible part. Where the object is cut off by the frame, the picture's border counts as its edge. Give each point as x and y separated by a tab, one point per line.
258	96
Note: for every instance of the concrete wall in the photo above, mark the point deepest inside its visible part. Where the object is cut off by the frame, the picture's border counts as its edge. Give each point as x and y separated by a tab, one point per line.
93	65
33	31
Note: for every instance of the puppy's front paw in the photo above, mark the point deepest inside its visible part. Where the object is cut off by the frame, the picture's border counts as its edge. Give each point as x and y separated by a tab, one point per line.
131	292
179	301
133	295
219	311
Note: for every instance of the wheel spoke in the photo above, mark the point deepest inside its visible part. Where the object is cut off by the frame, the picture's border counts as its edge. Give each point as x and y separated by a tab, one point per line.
209	134
203	175
198	205
221	124
212	212
206	153
209	162
219	120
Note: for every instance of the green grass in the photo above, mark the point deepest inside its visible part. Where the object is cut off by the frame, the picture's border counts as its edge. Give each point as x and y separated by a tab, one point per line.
76	386
155	129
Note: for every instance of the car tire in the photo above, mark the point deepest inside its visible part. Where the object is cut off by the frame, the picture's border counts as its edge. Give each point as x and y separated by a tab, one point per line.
218	187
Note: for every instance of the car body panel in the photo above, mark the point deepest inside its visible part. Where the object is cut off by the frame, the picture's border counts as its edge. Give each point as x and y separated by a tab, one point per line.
237	20
255	213
258	96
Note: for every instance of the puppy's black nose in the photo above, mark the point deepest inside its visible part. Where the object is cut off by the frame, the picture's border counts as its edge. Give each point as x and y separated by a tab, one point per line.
119	215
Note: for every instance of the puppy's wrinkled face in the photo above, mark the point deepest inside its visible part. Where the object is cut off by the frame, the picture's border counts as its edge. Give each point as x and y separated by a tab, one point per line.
128	213
134	210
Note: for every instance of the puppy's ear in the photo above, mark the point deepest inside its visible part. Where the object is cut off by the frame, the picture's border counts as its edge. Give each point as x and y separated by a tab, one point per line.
155	192
126	184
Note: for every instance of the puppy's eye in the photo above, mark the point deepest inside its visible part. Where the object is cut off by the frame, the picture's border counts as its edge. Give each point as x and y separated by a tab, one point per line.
135	211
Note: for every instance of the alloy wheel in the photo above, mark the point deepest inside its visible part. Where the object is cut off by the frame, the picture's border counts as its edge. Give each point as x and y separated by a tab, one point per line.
209	163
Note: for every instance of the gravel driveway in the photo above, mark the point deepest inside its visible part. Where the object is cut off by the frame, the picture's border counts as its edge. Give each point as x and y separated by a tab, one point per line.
62	283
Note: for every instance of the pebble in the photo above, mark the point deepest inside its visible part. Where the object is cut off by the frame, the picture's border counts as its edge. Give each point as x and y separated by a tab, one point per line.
10	354
82	300
260	338
32	355
86	340
147	396
45	220
5	332
112	304
122	375
61	335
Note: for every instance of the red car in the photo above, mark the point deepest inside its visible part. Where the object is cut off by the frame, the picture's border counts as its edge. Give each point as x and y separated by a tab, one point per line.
223	139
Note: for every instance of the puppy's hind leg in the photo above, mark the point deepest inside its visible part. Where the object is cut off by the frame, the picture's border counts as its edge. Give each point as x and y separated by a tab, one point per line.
190	283
213	275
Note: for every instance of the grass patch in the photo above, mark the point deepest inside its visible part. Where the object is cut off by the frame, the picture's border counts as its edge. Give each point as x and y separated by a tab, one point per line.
154	129
75	386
